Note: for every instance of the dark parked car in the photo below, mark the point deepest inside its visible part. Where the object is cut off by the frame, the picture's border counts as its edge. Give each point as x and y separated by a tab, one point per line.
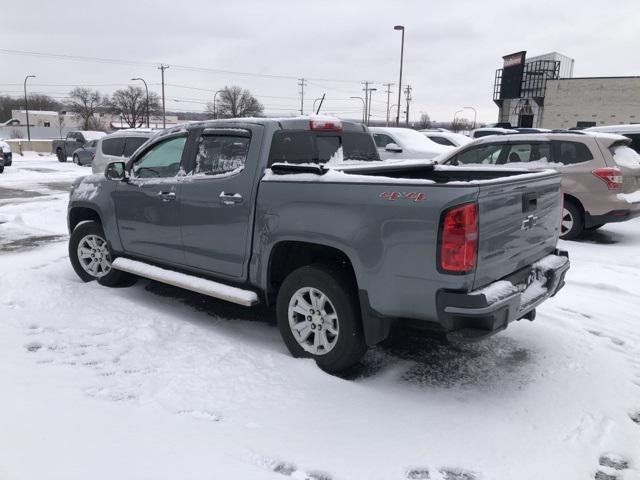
254	211
74	140
5	153
85	154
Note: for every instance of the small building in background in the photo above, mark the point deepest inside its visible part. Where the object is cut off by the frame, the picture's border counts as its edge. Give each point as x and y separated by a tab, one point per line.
542	92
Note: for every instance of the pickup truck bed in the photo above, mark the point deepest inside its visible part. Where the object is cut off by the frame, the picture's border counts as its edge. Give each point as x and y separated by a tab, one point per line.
349	250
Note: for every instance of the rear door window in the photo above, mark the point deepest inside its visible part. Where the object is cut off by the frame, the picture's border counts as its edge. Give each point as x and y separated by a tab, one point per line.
569	153
485	154
132	144
382	140
441	140
528	152
113	146
291	147
221	154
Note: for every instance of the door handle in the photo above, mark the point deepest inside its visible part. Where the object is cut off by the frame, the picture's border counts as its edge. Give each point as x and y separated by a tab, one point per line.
230	198
167	196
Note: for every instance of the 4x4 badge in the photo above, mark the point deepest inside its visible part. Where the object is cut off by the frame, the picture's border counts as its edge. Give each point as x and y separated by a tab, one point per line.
529	222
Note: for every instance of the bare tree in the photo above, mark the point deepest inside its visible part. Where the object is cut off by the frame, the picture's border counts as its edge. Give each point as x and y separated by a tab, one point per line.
425	121
86	103
131	103
234	102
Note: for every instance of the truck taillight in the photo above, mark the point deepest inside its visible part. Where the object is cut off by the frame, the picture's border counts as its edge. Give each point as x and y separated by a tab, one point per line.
326	125
611	176
459	239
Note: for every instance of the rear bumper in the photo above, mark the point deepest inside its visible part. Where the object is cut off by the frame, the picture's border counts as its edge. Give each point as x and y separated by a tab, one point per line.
612	216
473	316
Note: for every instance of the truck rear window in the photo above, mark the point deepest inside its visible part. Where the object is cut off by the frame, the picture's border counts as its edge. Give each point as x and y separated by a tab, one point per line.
315	147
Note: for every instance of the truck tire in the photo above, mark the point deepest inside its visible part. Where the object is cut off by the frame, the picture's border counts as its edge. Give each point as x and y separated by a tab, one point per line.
1	168
572	223
61	156
76	160
319	317
91	257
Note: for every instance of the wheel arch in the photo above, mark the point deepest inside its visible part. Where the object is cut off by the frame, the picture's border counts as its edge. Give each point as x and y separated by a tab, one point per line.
79	214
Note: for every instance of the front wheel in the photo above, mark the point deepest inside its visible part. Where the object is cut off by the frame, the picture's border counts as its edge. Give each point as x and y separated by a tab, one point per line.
76	160
61	156
319	317
572	221
91	257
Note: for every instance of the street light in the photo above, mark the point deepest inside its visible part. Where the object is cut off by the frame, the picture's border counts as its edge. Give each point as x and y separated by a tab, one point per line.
364	111
26	105
147	89
215	112
401	28
369	113
475	115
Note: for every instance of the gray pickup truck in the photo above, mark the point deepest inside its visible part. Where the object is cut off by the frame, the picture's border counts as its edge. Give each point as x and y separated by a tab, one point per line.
64	148
301	214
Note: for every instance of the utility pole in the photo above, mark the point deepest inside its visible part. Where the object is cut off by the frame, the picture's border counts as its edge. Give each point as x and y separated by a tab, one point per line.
162	68
366	101
400	28
407	93
302	83
371	90
388	85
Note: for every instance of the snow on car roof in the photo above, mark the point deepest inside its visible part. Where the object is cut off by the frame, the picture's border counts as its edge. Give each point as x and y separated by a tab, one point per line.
412	139
622	128
91	134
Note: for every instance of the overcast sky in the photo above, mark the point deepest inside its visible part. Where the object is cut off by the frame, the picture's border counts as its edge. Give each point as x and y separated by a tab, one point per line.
452	48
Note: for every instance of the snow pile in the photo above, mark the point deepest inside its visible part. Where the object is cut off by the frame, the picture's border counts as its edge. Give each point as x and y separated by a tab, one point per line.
626	157
85	190
629	197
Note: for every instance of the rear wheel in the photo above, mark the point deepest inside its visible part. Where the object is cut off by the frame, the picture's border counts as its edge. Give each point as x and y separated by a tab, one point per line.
61	156
91	256
572	223
319	317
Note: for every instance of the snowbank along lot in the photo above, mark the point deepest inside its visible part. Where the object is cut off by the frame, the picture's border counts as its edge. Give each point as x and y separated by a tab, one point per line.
153	382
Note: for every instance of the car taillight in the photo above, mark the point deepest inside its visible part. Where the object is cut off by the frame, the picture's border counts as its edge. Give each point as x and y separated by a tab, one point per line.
326	125
611	176
459	239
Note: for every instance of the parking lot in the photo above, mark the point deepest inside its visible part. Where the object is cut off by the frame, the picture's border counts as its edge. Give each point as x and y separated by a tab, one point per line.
117	383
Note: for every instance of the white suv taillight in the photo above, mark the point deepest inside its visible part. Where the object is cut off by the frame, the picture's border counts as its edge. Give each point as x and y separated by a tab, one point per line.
459	239
611	176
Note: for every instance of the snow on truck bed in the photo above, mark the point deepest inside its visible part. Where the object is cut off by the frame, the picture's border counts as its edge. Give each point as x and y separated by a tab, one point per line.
154	382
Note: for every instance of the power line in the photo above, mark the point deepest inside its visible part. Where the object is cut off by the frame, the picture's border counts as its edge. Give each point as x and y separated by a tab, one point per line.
113	61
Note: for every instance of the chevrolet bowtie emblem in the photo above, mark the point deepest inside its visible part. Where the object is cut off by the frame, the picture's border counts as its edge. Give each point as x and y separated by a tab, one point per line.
529	222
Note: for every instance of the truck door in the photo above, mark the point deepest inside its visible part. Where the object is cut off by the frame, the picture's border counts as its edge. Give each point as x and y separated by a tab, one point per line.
217	200
147	207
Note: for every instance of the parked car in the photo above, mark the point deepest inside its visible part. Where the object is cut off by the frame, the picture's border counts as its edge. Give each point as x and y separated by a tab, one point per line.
402	143
252	211
119	145
487	131
630	131
84	155
75	139
5	153
600	173
446	138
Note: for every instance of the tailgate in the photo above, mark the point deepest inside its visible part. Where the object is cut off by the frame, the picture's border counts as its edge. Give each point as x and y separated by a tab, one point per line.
518	224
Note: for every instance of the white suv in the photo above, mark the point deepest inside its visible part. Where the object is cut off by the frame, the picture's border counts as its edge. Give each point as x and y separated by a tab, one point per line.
118	145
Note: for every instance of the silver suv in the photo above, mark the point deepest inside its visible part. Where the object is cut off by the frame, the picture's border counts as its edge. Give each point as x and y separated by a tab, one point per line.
118	146
601	174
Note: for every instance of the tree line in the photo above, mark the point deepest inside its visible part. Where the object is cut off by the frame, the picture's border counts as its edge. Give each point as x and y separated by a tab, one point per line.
130	104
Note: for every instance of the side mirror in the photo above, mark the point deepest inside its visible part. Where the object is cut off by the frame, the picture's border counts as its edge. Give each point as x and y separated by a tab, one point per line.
393	147
116	171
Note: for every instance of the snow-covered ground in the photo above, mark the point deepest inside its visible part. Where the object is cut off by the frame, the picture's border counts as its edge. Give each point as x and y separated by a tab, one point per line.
152	382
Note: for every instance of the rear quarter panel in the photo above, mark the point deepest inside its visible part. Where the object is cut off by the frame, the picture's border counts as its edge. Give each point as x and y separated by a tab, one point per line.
392	244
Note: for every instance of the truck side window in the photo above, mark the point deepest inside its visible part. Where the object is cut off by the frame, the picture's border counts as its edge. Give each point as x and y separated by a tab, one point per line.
220	154
161	161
